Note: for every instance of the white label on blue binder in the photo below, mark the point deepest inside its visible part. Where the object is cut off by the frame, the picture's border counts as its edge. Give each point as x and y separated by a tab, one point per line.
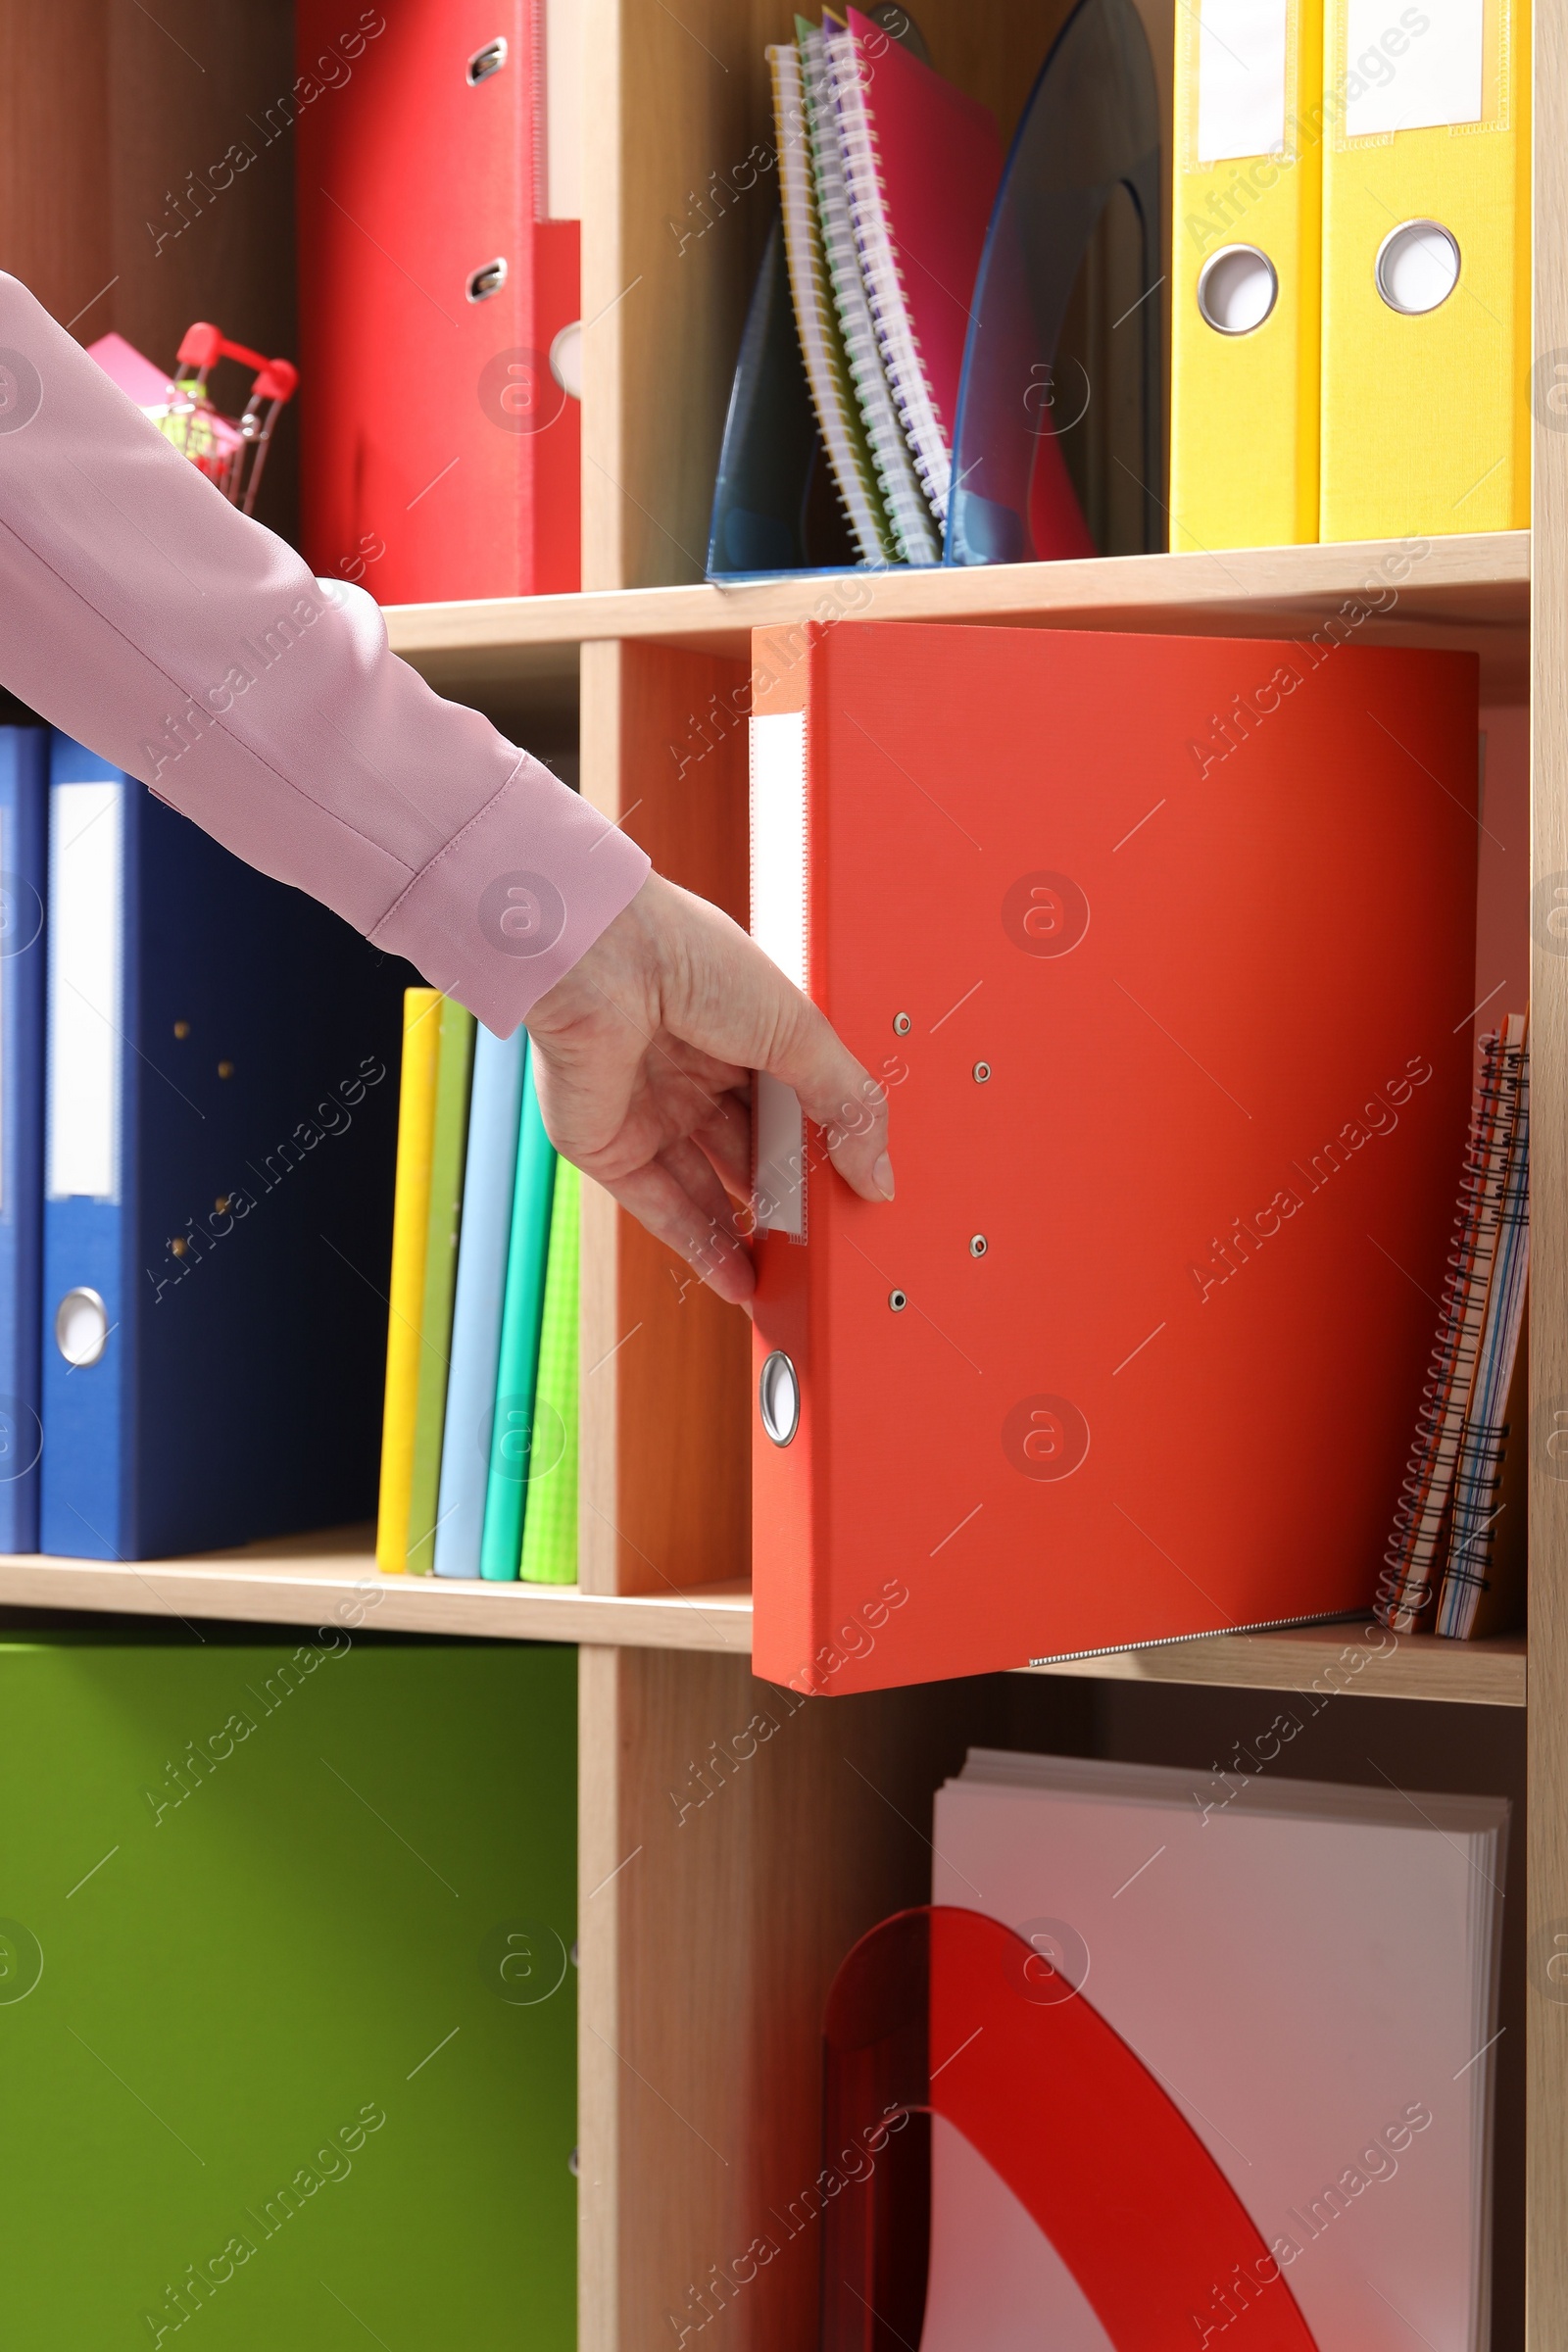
1411	68
85	1018
780	928
1241	79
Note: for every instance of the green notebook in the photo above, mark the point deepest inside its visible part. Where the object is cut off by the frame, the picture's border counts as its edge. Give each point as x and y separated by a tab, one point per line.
449	1149
512	1426
287	2013
549	1521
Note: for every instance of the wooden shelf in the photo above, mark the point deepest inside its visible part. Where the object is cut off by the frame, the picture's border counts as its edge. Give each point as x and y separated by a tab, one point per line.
333	1580
1472	591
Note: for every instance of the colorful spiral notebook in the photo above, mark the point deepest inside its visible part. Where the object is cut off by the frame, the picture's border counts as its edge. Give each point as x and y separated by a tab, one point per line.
827	370
922	164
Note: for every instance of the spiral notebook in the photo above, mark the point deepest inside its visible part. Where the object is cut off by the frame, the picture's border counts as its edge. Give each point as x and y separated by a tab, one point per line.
1454	1525
922	164
913	527
827	368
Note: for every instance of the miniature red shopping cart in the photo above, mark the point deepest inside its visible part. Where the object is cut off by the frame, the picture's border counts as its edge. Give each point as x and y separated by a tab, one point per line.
231	451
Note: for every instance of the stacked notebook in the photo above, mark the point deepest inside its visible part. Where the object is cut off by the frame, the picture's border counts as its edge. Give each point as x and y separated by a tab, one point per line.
1456	1559
480	1445
1311	1974
906	269
196	1136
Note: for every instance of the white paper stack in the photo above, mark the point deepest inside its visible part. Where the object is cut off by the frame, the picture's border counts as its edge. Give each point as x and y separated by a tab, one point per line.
1311	1970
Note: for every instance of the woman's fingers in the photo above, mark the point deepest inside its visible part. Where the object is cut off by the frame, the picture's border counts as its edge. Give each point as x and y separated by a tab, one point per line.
656	1197
834	1090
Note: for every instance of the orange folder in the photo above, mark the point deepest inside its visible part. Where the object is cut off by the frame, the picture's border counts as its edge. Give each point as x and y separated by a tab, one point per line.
1164	951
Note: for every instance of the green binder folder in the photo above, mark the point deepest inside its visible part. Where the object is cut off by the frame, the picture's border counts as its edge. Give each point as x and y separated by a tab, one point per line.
549	1521
512	1428
287	2009
447	1154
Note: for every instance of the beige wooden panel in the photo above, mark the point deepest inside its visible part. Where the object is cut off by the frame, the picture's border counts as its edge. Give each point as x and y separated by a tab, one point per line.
54	157
1547	1965
665	1492
1336	1660
194	87
735	1842
1459	591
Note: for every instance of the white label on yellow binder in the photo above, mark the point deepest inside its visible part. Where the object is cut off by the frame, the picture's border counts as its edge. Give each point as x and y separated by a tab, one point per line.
1241	79
1411	68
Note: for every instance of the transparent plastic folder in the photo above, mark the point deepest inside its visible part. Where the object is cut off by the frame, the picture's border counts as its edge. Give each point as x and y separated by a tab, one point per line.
764	517
944	2015
1091	127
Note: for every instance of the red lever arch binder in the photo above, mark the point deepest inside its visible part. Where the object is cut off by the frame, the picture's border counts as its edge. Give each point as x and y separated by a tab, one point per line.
440	453
1163	949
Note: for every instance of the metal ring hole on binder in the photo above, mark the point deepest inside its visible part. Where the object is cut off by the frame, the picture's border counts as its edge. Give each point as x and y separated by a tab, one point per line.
778	1393
81	1328
565	359
1236	288
486	61
1417	267
488	280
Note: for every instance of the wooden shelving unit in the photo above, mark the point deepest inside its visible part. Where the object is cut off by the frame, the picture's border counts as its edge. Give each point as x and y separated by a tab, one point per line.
720	1888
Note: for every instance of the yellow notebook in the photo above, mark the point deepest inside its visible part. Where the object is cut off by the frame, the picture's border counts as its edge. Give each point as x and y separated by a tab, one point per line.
1244	253
1426	267
421	1037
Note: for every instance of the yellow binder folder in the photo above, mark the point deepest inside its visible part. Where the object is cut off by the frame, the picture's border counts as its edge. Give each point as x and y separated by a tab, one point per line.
1246	211
1426	267
411	1208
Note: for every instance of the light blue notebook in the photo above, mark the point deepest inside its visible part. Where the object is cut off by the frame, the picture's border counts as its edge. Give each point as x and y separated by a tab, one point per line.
494	1110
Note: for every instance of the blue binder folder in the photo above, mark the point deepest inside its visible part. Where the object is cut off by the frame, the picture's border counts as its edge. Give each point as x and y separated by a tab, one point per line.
24	805
221	1118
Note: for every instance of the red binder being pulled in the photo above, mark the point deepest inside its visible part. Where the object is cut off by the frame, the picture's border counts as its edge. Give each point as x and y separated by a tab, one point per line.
439	300
1164	951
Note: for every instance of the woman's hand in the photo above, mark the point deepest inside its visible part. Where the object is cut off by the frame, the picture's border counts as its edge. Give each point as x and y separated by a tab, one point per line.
644	1056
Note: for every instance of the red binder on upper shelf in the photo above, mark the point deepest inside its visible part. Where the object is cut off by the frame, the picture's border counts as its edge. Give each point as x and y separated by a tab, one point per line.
1164	950
440	298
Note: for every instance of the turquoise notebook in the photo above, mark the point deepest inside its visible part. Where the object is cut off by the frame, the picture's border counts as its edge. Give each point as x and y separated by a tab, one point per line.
550	1519
492	1170
517	1368
287	2019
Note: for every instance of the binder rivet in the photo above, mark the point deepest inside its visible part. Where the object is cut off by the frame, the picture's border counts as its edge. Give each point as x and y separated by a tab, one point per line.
220	1204
902	1024
982	1072
977	1245
898	1301
182	1028
226	1069
778	1394
177	1247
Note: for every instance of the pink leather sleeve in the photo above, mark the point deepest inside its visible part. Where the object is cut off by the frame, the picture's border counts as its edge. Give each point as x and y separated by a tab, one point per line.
146	617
